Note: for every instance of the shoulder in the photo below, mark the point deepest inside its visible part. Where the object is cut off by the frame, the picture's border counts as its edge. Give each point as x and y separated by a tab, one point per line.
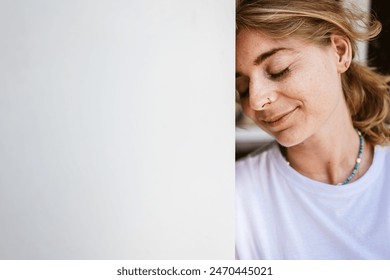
258	161
383	149
255	157
383	152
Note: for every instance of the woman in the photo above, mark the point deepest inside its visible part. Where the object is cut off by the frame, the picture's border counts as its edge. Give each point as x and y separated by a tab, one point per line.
322	189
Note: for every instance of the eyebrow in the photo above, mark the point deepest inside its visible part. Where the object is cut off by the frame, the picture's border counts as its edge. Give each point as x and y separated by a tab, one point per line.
268	54
264	56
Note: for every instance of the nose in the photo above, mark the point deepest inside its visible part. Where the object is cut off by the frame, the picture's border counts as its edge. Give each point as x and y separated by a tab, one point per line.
260	95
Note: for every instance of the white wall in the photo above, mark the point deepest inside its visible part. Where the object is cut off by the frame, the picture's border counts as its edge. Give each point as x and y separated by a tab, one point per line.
116	129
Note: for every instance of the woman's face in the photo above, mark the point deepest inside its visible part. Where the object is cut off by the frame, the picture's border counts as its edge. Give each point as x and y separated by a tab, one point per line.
289	88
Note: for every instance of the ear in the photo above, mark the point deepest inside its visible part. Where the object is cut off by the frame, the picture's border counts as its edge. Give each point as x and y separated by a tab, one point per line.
343	50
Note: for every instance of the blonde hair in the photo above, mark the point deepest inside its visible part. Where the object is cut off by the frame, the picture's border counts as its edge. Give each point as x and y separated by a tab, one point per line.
366	91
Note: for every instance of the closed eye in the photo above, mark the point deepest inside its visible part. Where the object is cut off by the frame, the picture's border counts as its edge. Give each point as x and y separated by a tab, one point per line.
280	74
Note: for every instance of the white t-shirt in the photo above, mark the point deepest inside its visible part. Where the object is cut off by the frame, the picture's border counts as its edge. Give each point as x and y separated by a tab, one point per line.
281	214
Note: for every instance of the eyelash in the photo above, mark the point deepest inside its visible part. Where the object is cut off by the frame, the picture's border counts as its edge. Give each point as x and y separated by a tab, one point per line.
279	74
275	76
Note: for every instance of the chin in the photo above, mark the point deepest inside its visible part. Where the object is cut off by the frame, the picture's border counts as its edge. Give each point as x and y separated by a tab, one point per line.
286	144
289	139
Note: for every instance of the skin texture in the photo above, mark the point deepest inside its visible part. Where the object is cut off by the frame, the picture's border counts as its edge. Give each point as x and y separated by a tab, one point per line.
292	90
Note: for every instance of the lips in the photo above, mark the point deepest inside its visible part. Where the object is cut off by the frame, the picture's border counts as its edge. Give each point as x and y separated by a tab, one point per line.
277	119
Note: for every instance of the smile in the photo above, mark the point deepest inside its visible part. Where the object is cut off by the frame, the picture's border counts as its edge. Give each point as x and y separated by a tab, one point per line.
278	119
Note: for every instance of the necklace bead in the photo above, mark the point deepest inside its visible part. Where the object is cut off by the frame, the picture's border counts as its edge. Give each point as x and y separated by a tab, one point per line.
358	160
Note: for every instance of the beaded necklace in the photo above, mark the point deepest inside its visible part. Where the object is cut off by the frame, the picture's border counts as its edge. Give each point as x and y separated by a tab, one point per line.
358	160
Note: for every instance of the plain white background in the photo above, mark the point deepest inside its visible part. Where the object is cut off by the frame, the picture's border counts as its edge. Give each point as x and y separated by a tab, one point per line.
116	129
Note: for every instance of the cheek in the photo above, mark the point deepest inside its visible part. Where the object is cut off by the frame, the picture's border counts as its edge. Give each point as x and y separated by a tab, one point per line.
316	90
248	111
251	114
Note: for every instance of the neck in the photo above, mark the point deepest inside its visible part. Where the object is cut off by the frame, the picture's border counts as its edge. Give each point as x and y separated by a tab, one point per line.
330	155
